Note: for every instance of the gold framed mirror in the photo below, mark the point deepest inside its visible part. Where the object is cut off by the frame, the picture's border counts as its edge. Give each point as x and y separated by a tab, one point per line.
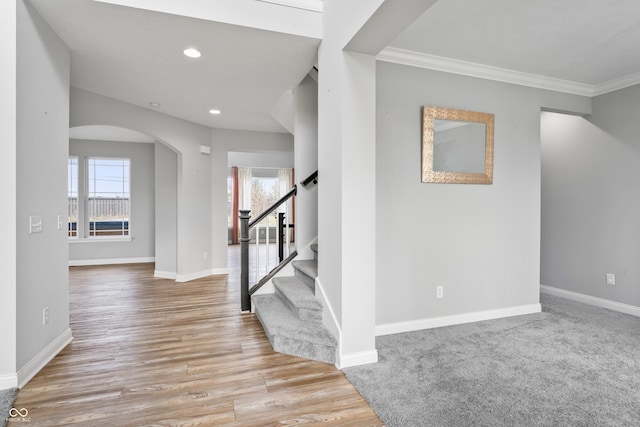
457	146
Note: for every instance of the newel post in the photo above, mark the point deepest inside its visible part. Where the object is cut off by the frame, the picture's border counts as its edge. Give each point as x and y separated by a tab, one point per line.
244	260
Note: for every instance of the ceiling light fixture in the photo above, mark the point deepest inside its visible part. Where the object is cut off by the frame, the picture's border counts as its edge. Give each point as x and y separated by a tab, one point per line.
214	111
154	104
192	53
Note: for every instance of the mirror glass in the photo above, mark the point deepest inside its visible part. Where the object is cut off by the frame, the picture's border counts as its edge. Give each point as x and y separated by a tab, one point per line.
457	146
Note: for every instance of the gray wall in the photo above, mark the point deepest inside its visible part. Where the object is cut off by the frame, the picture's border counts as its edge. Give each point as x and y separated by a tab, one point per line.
194	228
166	233
590	199
41	161
276	160
306	160
142	220
481	242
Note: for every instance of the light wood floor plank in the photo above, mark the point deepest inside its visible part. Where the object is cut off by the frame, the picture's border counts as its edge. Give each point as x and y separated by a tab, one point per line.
153	352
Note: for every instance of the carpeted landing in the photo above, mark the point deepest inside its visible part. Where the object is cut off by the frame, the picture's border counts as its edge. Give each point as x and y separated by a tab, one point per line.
7	397
571	365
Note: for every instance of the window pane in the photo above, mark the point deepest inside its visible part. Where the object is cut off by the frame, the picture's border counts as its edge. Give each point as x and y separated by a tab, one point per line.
109	201
73	196
264	193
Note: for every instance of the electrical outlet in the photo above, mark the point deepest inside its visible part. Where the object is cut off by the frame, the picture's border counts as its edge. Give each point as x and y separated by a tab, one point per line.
45	316
611	279
439	291
61	221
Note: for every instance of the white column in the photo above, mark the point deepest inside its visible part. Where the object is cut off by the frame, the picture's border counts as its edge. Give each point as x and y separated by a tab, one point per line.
8	377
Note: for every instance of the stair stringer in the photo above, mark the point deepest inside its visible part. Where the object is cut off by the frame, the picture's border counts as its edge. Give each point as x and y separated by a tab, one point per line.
330	322
329	319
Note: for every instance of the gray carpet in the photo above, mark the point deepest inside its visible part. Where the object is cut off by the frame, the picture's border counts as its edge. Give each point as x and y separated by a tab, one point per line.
7	397
571	365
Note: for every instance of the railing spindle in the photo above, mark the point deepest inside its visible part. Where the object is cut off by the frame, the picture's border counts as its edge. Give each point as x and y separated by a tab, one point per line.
266	266
287	229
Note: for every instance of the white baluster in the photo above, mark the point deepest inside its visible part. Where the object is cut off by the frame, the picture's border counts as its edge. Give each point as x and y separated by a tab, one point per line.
257	252
266	263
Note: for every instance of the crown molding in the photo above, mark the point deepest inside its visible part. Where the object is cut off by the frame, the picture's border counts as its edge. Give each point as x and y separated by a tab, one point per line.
617	84
312	5
465	68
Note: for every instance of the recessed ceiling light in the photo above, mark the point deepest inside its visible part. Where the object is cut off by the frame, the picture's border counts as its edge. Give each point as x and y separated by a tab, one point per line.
192	53
154	104
214	111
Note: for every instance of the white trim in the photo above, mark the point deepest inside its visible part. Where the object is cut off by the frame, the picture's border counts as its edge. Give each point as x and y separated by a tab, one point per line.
617	84
457	319
357	359
109	261
34	366
200	274
8	381
329	319
102	239
165	274
312	5
595	301
465	68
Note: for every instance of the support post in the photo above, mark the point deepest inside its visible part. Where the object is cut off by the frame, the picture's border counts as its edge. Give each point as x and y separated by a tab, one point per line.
281	233
245	298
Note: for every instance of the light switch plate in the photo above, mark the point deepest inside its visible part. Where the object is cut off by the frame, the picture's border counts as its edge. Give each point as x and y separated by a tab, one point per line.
35	224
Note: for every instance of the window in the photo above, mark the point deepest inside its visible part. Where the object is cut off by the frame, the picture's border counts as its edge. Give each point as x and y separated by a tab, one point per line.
101	207
73	197
264	193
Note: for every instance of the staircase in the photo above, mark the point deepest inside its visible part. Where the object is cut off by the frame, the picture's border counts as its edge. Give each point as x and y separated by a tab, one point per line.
292	316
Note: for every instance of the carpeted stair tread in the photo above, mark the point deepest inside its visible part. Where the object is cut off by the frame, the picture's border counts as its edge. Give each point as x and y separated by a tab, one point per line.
299	298
309	267
290	335
307	271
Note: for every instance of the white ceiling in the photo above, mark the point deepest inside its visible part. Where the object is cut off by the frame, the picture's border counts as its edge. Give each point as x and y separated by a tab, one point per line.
135	55
590	42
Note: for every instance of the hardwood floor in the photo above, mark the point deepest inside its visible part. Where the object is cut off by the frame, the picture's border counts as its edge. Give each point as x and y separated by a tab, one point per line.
153	352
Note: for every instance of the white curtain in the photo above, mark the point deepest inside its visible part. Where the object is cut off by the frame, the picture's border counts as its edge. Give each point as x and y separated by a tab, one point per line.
285	178
244	188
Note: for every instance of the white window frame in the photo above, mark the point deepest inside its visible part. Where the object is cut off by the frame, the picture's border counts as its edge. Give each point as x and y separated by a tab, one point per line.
83	233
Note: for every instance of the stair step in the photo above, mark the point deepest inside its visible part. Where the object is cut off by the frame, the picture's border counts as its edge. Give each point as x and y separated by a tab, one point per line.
290	335
299	298
307	271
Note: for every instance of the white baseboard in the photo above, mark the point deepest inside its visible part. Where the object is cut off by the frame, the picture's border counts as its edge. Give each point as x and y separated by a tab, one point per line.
588	299
200	274
458	319
165	274
34	366
8	381
357	359
85	262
